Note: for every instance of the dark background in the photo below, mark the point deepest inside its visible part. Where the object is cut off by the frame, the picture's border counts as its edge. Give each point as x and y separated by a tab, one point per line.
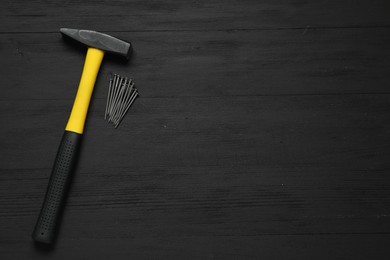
262	130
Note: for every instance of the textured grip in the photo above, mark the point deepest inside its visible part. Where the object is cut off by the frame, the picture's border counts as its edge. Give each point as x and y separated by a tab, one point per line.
60	178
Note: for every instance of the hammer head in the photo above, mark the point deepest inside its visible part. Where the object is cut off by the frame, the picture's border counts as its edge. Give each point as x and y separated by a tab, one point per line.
99	41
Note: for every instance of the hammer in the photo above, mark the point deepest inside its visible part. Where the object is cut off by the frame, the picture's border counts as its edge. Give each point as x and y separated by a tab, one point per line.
64	163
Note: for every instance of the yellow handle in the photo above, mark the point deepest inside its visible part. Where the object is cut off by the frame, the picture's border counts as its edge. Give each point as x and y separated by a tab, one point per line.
80	107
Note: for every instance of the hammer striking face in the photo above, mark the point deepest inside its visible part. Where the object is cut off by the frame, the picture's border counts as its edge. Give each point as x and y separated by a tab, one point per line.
98	44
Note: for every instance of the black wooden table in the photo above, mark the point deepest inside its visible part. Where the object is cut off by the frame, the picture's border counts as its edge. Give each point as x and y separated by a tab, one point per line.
262	130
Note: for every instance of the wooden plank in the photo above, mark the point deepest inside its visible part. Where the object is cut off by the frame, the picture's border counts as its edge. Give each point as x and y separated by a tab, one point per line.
207	201
277	130
174	64
149	245
121	15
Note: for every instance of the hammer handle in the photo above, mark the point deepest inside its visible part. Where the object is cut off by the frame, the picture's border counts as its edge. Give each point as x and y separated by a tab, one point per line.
60	179
84	93
65	161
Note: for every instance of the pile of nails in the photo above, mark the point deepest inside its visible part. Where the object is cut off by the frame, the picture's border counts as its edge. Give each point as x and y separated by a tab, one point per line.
121	95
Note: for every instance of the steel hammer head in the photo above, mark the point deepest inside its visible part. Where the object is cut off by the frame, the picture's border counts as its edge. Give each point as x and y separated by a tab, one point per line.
99	41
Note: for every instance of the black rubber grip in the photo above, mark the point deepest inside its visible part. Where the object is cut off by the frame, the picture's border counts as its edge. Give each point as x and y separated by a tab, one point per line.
60	178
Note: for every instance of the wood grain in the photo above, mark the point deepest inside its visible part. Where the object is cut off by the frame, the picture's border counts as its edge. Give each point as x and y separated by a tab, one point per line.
262	130
208	131
174	64
200	15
